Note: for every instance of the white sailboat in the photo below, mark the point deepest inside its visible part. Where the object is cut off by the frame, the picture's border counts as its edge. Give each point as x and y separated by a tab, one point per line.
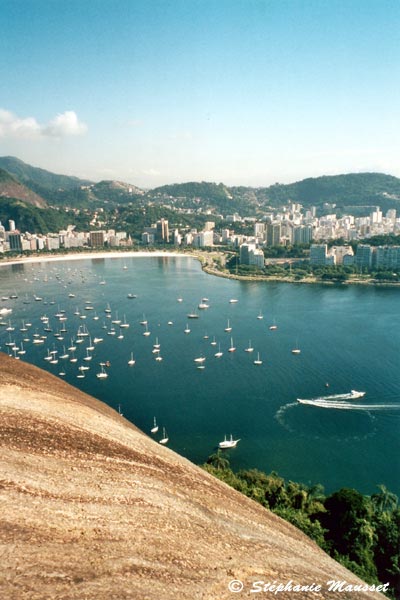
228	326
154	429
296	349
165	438
231	347
187	330
231	443
219	353
124	324
258	361
200	359
274	326
102	374
22	350
131	361
249	347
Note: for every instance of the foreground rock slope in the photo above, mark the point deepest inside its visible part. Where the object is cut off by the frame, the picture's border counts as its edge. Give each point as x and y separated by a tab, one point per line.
91	508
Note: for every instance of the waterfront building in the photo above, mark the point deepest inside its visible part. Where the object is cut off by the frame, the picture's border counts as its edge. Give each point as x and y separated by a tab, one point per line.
148	238
14	240
340	252
97	238
364	256
250	255
203	239
318	254
52	242
177	238
388	257
162	231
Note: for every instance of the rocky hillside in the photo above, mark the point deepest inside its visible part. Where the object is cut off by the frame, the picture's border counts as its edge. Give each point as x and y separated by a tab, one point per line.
11	188
93	508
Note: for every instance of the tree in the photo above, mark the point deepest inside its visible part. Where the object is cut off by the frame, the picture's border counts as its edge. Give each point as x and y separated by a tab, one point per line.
218	461
384	501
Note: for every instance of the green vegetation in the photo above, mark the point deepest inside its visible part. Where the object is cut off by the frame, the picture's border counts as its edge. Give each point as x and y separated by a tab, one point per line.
361	532
356	189
32	175
32	219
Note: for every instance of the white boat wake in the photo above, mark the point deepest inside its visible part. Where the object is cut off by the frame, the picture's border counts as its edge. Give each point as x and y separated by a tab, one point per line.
349	405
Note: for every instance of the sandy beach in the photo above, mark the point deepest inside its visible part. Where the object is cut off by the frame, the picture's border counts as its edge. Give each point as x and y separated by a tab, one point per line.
89	255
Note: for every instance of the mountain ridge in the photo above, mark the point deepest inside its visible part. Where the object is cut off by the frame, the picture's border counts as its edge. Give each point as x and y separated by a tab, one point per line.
94	508
11	188
339	191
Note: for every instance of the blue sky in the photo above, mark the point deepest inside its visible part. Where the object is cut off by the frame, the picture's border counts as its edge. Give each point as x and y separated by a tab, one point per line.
248	92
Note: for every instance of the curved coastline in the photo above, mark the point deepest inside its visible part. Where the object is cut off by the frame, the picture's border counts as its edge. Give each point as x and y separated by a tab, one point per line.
206	265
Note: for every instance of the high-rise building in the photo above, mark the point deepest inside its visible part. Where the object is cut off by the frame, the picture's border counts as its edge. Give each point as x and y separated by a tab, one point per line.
364	256
15	241
302	234
250	255
376	216
388	257
273	234
259	230
97	238
318	254
162	231
340	252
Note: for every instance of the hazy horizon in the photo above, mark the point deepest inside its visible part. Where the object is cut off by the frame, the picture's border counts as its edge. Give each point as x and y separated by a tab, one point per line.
244	92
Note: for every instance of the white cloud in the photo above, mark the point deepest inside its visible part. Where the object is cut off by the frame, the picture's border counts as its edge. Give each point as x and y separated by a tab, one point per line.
63	125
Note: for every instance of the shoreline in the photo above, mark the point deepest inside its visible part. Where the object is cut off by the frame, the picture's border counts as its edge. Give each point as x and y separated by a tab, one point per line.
199	256
90	255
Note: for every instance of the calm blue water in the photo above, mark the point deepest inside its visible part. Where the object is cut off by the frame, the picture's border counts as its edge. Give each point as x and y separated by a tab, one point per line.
349	338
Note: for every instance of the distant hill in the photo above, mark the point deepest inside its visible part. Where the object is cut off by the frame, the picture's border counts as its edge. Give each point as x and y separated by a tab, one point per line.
68	190
39	177
204	190
349	192
11	188
205	195
115	191
353	189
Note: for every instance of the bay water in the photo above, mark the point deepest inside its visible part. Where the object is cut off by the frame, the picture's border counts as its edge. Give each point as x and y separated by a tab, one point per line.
349	338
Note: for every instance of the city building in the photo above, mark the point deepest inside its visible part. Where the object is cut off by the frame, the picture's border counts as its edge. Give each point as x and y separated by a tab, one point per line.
14	240
318	254
273	234
250	255
364	256
162	231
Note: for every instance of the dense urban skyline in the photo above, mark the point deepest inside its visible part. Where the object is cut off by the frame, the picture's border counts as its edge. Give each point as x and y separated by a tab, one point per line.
244	92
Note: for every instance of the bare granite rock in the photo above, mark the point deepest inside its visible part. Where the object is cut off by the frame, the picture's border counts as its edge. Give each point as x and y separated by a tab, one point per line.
93	509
